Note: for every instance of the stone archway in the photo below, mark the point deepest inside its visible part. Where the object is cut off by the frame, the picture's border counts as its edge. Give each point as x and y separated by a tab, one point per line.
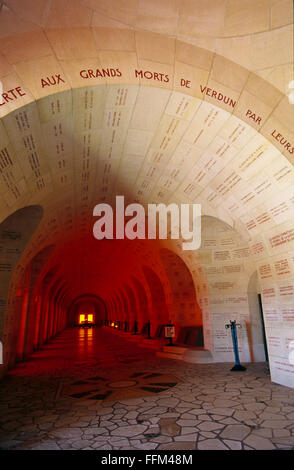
15	233
142	303
160	313
88	303
186	310
187	314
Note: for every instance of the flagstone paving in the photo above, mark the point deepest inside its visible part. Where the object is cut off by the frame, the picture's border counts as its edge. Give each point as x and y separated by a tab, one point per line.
93	390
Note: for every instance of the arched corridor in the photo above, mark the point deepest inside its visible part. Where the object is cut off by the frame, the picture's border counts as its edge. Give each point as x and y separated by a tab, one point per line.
146	201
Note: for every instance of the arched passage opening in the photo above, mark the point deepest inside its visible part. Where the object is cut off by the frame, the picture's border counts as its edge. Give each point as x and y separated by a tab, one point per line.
16	285
187	314
143	316
119	310
126	309
160	314
133	313
49	286
87	307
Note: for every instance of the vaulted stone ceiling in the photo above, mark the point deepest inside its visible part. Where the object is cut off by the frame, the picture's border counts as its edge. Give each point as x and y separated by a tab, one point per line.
170	101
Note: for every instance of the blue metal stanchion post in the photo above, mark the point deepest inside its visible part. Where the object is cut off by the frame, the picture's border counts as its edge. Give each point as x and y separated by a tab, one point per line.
233	326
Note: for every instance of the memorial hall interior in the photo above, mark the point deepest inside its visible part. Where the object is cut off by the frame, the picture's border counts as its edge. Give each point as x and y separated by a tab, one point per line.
159	101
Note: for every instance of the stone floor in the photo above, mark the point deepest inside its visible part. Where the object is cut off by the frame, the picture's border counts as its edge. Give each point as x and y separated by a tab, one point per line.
93	390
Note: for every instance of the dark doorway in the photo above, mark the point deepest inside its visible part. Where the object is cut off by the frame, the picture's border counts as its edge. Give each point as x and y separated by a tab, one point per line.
263	327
